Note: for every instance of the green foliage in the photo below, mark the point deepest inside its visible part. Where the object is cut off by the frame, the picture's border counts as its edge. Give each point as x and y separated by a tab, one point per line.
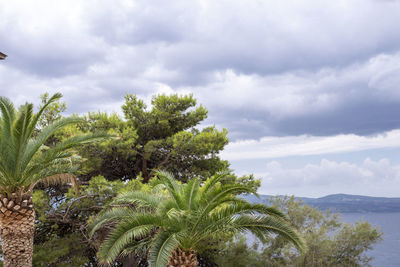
183	216
330	242
60	222
42	204
352	241
169	115
239	252
60	252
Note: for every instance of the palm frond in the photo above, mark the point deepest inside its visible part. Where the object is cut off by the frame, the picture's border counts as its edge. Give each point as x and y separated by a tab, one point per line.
37	116
260	225
20	137
220	192
63	164
138	199
190	192
7	118
244	207
211	182
161	249
35	144
113	215
215	196
172	186
70	143
166	205
137	247
56	159
222	217
139	226
6	146
168	180
43	166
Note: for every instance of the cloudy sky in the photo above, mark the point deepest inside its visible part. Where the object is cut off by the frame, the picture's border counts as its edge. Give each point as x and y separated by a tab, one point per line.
308	89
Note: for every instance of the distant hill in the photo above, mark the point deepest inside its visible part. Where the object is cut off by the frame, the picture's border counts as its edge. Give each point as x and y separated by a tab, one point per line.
344	203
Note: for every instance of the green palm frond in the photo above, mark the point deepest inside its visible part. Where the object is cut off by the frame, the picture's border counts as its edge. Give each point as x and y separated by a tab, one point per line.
138	199
113	215
261	225
161	249
8	116
166	205
38	115
168	180
211	182
137	247
173	187
125	232
215	198
36	143
190	193
19	134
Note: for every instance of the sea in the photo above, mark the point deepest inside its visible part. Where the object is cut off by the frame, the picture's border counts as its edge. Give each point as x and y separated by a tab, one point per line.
387	252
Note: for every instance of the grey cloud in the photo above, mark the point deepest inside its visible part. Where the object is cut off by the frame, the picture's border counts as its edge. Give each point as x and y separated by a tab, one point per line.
251	39
139	23
362	98
262	68
197	38
363	118
48	48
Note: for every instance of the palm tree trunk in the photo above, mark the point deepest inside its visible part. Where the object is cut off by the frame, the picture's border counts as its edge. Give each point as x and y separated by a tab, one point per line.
17	227
180	258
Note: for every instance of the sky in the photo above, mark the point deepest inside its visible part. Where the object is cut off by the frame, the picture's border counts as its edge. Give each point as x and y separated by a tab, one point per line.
308	89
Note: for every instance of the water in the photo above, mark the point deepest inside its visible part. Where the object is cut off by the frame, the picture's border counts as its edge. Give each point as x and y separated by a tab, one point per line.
387	252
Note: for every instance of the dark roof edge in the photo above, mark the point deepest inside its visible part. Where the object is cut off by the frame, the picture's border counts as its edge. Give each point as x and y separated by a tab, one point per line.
2	55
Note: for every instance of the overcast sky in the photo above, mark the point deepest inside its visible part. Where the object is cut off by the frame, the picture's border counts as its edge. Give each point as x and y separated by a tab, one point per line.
309	90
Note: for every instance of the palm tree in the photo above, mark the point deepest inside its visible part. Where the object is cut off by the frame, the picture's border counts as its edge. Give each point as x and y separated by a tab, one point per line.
24	162
174	224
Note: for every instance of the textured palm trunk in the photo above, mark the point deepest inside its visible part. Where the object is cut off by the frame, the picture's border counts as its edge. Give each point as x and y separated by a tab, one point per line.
180	258
17	226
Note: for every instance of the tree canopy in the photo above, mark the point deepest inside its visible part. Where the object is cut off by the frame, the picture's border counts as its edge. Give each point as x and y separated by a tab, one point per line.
163	137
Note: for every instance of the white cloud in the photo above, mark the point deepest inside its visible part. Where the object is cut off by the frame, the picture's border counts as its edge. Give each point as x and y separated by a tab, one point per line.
373	178
278	147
